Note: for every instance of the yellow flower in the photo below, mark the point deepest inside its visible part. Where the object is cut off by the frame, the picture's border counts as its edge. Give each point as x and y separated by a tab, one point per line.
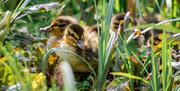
38	81
52	59
34	84
3	59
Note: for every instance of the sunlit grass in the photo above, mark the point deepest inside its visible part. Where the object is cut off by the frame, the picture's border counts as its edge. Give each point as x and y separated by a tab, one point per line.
157	65
106	10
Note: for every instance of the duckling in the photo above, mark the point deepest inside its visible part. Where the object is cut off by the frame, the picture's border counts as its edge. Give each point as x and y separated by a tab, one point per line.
57	29
72	42
70	49
91	39
117	22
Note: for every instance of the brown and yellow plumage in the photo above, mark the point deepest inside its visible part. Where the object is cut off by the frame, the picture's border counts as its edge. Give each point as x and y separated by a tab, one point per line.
70	45
117	22
91	40
57	29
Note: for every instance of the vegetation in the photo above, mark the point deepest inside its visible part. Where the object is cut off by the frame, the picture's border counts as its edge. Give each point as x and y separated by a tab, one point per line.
141	53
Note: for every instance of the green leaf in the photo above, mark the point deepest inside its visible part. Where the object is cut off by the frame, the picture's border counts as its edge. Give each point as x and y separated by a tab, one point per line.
167	28
129	76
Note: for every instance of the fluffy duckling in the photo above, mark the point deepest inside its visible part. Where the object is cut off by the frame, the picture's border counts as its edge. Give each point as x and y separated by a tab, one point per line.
117	22
57	29
91	39
72	45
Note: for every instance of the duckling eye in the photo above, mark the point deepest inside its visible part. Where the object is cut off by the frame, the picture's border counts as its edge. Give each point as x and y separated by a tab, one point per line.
116	23
62	30
62	23
73	35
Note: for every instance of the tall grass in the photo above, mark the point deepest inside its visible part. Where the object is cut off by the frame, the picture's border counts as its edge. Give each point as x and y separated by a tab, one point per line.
154	77
106	11
17	76
104	8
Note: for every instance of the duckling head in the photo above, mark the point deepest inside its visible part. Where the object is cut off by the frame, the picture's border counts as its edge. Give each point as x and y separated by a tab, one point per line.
58	26
117	20
74	35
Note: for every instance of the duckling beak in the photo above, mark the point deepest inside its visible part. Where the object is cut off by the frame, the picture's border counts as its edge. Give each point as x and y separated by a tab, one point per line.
45	29
80	44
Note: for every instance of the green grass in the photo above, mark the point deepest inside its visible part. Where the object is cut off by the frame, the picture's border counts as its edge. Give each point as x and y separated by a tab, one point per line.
113	49
104	52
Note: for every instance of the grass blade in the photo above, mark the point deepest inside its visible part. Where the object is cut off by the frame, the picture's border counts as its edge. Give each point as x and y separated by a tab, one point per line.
154	81
129	76
104	51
